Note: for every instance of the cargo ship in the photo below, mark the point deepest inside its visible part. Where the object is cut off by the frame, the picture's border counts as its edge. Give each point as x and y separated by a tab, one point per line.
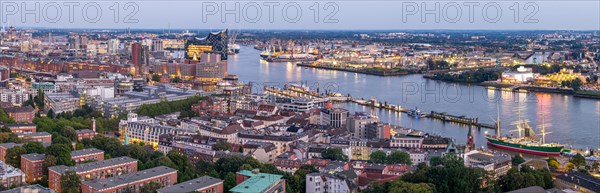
527	142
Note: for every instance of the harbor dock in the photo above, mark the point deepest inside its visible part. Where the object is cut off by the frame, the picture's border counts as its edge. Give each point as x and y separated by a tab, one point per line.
300	91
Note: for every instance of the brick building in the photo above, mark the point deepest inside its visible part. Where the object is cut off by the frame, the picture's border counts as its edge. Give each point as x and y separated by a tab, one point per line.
32	166
93	171
21	114
85	134
204	184
165	176
87	154
43	137
4	147
22	127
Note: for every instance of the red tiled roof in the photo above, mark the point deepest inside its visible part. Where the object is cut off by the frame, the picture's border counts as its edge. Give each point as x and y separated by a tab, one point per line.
265	107
233	128
269	118
366	178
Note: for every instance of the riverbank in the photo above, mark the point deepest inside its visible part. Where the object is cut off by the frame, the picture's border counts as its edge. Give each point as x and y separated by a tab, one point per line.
587	94
570	118
530	88
361	71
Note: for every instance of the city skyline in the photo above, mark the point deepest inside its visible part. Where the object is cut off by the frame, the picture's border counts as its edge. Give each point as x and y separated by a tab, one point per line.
344	97
335	15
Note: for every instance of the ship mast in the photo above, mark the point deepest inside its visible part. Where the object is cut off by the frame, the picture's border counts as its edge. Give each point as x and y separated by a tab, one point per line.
498	121
519	126
543	130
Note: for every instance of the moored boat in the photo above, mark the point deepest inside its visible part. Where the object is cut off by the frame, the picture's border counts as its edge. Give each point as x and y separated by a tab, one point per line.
527	141
416	113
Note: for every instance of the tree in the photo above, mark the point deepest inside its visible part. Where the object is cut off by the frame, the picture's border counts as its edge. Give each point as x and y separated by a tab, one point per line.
436	161
578	160
399	186
377	157
155	77
595	166
4	118
205	168
39	99
399	157
61	140
70	182
576	84
136	151
9	137
13	156
298	181
335	154
161	161
449	176
150	187
527	177
5	129
553	164
49	161
69	133
79	146
222	146
62	152
246	167
185	169
517	159
229	181
34	147
377	188
50	113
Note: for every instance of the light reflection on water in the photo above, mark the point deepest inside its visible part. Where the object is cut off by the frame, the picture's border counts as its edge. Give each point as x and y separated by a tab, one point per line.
574	121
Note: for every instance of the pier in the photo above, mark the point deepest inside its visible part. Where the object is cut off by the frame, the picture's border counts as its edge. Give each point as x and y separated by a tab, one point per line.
445	117
296	91
291	91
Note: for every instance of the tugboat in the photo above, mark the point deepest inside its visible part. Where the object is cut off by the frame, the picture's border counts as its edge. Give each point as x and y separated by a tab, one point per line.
416	113
527	141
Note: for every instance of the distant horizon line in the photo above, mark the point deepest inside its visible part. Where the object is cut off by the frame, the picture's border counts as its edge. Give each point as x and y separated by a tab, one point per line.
344	30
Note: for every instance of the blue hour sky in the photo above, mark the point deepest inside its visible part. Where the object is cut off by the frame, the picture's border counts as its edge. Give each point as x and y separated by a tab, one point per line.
305	14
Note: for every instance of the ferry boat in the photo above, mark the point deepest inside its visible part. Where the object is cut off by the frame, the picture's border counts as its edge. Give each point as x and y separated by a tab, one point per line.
234	48
416	113
527	142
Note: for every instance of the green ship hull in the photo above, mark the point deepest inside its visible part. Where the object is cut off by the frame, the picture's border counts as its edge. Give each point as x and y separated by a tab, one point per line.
542	150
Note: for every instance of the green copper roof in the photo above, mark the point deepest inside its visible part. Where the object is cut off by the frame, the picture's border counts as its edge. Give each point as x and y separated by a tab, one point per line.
256	183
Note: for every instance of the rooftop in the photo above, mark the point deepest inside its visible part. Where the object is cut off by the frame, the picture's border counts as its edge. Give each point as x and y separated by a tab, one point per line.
191	185
7	171
9	145
258	182
20	109
531	189
583	180
35	188
92	165
38	134
84	131
129	178
34	156
85	152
